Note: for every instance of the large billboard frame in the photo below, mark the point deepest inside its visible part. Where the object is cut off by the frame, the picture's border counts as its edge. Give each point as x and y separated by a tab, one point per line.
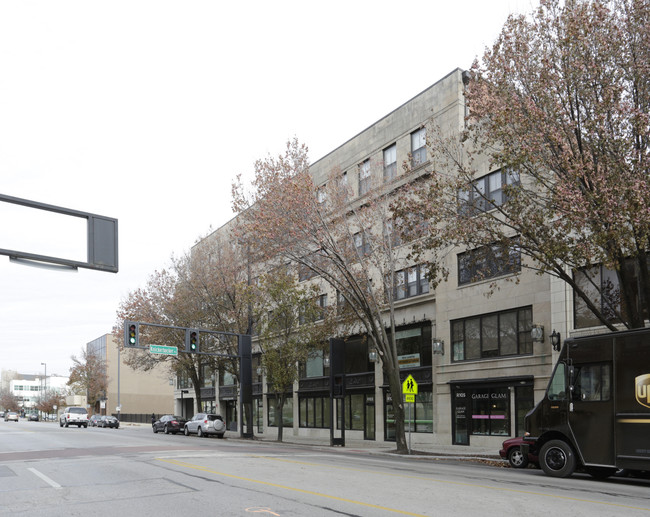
101	239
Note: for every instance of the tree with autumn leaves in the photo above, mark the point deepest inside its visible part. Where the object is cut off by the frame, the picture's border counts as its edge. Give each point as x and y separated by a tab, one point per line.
561	104
211	288
204	289
88	376
349	244
290	329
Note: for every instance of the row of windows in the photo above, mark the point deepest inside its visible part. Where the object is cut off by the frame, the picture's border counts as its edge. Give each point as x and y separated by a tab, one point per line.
19	387
389	155
497	334
487	192
489	262
411	282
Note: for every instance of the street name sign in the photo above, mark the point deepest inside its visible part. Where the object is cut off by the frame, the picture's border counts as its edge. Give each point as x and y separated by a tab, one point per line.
164	350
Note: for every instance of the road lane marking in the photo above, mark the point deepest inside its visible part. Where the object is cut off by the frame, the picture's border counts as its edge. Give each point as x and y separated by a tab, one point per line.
260	509
459	483
285	487
50	482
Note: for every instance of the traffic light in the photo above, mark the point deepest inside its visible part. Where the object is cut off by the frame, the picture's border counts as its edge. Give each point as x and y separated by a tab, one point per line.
191	340
131	334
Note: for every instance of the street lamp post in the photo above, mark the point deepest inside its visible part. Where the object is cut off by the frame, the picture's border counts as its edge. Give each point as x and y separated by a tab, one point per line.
45	389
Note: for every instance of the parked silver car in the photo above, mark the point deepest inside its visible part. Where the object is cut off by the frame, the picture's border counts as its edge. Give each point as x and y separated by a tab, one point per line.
205	424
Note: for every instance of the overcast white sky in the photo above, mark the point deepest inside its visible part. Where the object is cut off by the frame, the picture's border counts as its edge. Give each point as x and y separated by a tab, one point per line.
144	111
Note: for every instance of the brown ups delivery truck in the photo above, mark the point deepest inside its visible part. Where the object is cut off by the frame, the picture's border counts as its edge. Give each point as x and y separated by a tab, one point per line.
595	414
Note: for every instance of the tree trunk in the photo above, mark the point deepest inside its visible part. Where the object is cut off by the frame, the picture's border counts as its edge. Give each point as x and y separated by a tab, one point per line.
398	409
278	416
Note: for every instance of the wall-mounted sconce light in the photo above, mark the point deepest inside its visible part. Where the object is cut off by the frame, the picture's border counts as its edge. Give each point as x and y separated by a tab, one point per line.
372	356
438	346
259	370
326	361
537	333
556	340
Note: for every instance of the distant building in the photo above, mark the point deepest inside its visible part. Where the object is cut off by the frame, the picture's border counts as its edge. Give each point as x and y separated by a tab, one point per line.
28	388
131	394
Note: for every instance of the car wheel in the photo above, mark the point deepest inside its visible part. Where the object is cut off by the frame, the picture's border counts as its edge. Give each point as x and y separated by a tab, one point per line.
186	431
557	459
199	432
66	424
85	426
60	423
166	430
517	459
155	431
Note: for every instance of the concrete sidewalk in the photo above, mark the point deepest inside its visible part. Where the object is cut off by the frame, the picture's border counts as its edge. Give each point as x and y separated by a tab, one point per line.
369	446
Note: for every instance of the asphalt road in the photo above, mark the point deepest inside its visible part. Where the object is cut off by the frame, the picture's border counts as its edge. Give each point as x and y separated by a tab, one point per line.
50	470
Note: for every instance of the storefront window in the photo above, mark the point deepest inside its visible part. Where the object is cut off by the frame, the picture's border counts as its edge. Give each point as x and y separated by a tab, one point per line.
490	410
315	412
258	408
356	356
418	417
287	412
208	406
314	366
414	346
485	410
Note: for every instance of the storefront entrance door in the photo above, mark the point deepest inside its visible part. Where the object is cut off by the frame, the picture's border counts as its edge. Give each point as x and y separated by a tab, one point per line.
462	410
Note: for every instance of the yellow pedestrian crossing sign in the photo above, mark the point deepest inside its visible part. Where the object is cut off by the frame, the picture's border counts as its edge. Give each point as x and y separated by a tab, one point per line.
409	386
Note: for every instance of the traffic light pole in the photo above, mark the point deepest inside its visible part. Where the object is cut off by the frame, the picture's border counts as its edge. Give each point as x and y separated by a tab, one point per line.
245	356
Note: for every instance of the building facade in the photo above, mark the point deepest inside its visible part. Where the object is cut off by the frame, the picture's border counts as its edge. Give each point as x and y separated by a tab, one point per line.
480	362
28	389
131	395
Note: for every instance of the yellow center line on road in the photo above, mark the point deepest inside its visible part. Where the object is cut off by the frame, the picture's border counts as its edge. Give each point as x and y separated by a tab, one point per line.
458	483
284	487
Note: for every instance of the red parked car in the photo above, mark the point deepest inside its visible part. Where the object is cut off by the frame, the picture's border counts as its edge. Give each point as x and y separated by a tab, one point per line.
511	450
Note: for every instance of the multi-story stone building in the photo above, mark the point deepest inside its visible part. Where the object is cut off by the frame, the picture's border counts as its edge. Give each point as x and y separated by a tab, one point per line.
480	362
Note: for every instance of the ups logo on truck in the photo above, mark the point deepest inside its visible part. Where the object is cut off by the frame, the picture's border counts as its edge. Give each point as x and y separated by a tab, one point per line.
642	383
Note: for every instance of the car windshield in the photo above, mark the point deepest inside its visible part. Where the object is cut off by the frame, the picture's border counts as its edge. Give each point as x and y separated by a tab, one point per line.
77	410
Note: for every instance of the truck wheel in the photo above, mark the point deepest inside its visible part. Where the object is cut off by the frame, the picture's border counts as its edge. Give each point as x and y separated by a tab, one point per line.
516	459
557	459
